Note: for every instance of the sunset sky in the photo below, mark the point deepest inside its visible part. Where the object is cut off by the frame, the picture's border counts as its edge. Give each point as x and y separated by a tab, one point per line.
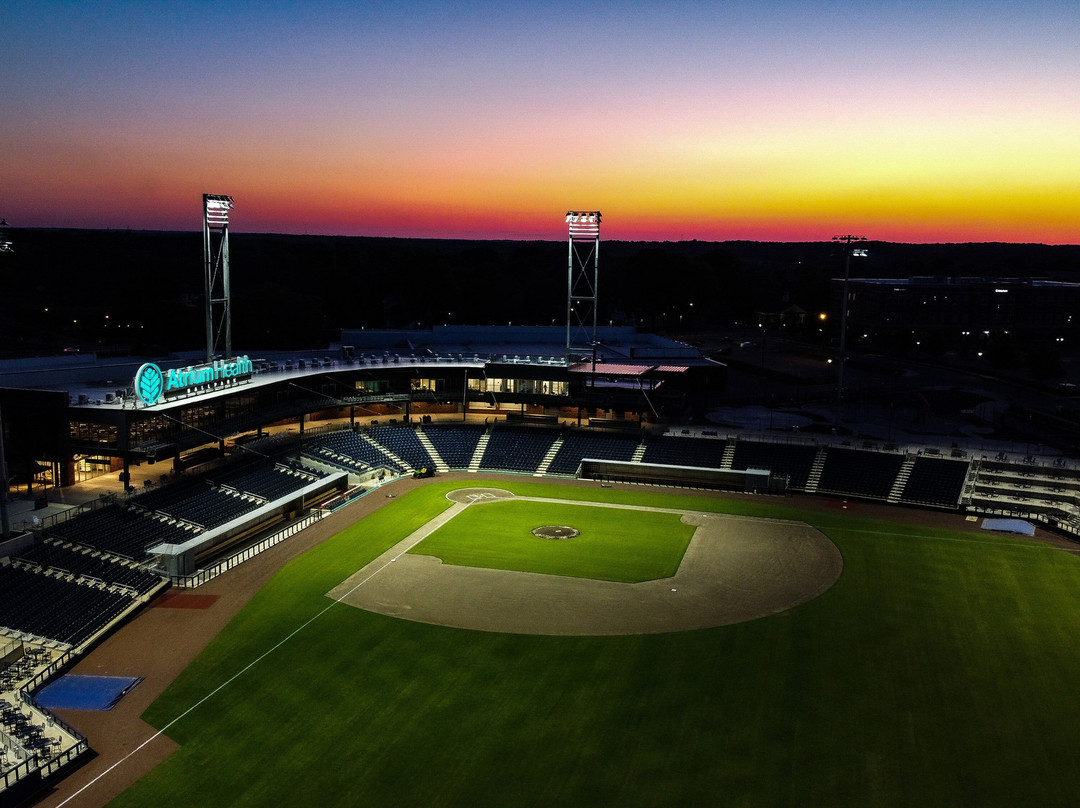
902	121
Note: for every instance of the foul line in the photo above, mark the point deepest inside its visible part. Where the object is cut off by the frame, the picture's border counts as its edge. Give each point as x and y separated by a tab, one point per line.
240	672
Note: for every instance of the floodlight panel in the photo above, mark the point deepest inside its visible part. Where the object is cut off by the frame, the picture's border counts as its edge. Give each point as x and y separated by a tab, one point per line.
583	224
216	208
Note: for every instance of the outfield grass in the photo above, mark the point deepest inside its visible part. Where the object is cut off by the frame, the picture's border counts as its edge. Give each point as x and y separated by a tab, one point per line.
939	670
614	545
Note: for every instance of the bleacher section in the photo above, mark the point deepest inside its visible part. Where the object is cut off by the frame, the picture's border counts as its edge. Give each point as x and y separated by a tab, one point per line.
678	450
792	459
210	508
403	443
56	608
517	448
86	563
935	481
1000	487
350	452
859	474
932	481
578	445
455	443
269	482
127	532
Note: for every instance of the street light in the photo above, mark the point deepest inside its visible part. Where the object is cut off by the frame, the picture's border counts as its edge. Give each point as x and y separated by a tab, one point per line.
849	253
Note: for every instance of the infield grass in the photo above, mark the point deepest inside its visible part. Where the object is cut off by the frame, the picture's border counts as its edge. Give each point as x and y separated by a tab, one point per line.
615	544
939	670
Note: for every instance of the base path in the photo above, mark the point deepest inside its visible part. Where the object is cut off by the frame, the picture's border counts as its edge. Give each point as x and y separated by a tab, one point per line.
735	569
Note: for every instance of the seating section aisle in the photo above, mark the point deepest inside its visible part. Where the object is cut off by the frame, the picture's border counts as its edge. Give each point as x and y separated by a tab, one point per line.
402	441
675	450
860	474
455	443
936	481
56	608
600	446
793	459
517	448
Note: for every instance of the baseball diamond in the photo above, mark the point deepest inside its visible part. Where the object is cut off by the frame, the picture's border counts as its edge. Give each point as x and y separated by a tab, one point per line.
735	569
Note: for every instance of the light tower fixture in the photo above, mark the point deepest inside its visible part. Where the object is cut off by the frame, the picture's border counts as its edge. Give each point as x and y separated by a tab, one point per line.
216	209
849	253
581	283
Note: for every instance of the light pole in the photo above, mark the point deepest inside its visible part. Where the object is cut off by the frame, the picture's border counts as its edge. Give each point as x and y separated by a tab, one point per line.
216	209
849	252
5	517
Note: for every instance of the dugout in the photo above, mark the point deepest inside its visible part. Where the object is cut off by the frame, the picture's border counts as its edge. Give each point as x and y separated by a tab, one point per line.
622	471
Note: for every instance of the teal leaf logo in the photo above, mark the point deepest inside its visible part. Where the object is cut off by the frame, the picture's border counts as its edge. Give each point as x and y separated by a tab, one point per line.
149	383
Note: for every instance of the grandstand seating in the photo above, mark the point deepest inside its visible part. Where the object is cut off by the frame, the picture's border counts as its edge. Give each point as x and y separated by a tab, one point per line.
347	445
792	459
860	474
127	532
517	448
211	508
402	441
578	445
162	499
935	481
56	608
676	450
48	555
269	482
455	443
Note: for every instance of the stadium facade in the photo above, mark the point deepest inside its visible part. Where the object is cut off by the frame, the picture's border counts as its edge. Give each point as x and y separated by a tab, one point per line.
72	417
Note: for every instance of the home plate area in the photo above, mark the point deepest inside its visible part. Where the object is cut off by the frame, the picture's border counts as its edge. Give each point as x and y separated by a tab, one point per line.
735	569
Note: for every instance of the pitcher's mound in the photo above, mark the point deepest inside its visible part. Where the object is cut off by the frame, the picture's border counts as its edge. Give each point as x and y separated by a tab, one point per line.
556	532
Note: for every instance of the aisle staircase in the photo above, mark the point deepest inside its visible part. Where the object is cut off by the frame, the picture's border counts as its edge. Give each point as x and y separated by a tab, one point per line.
728	457
425	441
901	480
541	470
815	471
478	455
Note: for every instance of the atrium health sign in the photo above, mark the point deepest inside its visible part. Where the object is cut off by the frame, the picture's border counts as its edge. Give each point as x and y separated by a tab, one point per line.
151	382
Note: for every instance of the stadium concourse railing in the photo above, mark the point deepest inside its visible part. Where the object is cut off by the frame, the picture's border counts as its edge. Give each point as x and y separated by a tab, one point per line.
35	764
202	576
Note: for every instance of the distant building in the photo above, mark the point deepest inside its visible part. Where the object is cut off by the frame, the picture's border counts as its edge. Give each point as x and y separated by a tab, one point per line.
960	305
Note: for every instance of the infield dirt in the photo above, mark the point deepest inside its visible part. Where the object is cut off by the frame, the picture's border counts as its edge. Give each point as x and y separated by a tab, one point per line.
735	569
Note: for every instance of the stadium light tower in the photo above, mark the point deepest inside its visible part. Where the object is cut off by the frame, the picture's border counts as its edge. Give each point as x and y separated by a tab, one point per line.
581	283
849	253
216	273
5	516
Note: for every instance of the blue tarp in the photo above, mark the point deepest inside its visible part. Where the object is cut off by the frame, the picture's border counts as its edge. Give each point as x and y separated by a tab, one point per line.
1009	526
73	692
